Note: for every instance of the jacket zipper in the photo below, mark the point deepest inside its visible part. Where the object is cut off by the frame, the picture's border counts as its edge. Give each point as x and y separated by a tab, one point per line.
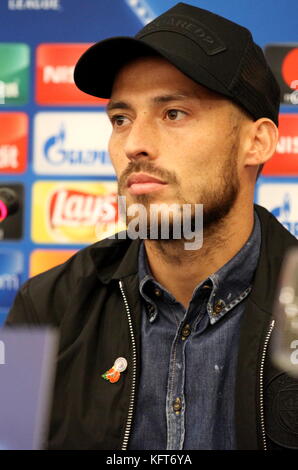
134	372
262	413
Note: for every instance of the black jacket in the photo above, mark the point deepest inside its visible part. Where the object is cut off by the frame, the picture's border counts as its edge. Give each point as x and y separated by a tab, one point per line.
93	298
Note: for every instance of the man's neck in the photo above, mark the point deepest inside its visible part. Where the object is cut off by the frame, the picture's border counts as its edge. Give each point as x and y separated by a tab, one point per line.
180	270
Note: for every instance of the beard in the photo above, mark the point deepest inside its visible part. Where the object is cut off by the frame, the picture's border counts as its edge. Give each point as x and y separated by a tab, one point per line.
217	197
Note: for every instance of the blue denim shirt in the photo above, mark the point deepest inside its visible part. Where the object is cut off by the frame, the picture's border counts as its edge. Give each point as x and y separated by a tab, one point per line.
188	357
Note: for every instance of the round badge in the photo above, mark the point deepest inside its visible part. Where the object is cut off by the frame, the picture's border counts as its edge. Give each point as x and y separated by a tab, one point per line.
120	364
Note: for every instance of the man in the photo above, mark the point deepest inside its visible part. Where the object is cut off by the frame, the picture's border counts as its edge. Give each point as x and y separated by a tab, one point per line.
163	347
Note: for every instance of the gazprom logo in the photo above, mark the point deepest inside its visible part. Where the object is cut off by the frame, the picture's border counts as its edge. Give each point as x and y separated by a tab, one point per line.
72	143
283	213
57	152
280	197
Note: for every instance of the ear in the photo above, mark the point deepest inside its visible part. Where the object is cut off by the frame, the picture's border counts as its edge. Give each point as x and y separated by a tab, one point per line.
261	142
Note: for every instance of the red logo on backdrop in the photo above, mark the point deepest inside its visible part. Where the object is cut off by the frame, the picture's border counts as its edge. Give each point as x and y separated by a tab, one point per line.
290	69
285	160
75	208
283	60
13	142
54	75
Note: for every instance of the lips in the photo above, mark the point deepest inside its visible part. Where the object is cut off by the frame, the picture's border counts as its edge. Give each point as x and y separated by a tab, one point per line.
138	178
141	183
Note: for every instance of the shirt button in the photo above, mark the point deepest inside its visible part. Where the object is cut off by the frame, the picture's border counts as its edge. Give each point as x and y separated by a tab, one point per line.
186	332
150	309
177	405
218	307
157	292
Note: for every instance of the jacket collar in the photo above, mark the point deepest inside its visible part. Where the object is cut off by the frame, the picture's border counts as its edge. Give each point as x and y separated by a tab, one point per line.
275	241
117	258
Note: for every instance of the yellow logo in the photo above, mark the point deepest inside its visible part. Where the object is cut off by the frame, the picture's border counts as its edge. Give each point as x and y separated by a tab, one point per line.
74	212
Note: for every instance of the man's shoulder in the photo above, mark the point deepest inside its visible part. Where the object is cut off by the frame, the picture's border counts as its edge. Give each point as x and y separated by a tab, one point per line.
276	241
273	231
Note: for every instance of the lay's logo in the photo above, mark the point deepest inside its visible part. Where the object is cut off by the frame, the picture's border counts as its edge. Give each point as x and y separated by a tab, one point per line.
73	208
74	212
54	75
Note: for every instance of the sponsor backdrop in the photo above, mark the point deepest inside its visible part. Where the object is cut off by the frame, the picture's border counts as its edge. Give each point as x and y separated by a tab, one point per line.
53	138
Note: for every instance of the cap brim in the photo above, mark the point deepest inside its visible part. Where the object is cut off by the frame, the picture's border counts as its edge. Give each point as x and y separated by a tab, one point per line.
96	69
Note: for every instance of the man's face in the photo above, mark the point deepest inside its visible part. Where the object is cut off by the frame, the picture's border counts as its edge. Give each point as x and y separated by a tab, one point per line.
173	141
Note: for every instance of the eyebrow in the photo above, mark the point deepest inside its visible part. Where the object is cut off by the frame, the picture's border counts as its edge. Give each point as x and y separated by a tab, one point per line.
156	100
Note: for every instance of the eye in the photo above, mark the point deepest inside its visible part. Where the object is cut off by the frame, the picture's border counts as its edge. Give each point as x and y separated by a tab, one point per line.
175	114
118	120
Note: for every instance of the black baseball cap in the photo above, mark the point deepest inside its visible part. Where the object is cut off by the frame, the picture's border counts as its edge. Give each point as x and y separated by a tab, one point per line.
209	49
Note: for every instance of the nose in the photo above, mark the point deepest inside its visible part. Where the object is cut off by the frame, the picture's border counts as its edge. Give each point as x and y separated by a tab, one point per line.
141	140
